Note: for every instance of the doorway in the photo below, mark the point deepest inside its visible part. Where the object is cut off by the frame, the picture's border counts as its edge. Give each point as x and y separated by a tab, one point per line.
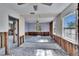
13	32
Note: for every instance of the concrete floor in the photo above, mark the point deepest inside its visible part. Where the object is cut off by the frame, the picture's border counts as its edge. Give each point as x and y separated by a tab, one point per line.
36	46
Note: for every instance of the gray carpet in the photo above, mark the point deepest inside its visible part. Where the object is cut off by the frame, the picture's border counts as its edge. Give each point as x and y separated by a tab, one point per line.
36	46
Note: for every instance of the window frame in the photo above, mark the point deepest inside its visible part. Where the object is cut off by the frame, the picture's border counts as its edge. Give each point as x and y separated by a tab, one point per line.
71	13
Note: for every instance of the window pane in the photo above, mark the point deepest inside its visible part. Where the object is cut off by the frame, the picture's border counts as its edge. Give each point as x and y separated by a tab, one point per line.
70	26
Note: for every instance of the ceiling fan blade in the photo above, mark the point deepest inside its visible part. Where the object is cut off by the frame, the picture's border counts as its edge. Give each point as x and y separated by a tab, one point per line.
20	3
49	4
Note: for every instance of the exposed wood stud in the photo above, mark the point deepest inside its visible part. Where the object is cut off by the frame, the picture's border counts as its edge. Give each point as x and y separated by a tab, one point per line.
6	43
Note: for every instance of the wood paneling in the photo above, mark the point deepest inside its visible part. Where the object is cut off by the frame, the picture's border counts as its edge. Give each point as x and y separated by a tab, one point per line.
6	42
21	39
37	33
69	47
1	39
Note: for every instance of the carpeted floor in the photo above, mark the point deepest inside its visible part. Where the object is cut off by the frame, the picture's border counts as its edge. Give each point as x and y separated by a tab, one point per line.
36	46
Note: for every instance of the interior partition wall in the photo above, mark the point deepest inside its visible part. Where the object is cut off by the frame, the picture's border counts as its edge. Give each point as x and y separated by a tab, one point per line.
30	29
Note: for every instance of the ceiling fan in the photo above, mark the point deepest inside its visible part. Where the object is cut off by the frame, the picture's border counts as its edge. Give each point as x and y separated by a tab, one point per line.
35	7
48	4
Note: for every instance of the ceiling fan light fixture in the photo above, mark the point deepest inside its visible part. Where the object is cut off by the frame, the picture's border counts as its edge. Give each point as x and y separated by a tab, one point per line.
35	7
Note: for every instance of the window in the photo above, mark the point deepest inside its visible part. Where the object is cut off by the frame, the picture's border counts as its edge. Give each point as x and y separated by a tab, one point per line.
70	26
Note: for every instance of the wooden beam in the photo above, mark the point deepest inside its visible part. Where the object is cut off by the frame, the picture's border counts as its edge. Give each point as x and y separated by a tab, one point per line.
6	42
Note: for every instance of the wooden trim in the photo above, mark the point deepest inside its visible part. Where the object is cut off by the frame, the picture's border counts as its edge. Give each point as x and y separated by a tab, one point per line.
6	42
37	33
50	27
21	39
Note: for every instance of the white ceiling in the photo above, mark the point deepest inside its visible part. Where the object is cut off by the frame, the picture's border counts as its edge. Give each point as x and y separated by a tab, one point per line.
47	13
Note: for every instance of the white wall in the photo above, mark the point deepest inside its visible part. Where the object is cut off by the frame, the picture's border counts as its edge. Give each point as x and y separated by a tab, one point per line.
45	27
21	26
4	12
58	22
59	19
4	20
31	27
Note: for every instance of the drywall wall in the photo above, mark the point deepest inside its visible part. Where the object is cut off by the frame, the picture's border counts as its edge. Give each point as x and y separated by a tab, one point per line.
45	27
58	25
4	13
58	22
21	26
4	20
31	27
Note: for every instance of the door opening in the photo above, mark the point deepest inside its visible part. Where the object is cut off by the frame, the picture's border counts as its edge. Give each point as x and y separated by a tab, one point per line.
13	32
